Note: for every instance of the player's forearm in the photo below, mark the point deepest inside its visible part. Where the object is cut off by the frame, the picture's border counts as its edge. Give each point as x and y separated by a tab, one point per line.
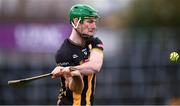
76	84
93	65
88	68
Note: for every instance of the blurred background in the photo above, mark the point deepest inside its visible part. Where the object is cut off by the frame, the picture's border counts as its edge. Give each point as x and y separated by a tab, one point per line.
138	36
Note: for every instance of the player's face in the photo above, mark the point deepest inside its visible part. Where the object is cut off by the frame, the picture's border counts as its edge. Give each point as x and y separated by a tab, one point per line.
88	26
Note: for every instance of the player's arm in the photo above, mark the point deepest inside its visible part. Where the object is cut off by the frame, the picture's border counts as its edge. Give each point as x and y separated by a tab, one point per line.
76	83
95	60
93	65
74	78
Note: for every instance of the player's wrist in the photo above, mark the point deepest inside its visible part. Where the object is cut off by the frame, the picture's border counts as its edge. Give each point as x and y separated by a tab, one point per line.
75	73
72	68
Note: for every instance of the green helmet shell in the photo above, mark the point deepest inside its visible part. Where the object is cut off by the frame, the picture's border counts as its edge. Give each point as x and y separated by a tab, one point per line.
81	11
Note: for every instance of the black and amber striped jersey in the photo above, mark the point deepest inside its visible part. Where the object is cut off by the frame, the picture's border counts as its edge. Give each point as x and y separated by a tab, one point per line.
71	54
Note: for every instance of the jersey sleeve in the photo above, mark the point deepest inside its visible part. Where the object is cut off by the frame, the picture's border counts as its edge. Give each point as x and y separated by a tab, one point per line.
97	43
63	58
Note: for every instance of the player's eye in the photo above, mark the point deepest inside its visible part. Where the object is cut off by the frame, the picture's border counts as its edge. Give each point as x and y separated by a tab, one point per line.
91	21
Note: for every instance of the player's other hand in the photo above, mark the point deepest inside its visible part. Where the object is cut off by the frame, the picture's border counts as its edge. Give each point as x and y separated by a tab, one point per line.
57	72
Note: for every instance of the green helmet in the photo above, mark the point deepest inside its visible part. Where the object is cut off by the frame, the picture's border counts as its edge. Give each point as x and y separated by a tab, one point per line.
81	11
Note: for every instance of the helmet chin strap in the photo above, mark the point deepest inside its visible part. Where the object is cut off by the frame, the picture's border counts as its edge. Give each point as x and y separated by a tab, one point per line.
77	23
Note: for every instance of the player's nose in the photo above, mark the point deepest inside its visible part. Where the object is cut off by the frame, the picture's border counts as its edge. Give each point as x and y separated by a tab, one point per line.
93	25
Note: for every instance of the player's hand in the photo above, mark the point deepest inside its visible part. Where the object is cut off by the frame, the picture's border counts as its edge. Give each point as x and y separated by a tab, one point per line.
66	72
57	72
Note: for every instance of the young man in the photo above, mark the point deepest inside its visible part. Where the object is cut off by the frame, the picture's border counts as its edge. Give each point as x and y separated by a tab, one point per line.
79	58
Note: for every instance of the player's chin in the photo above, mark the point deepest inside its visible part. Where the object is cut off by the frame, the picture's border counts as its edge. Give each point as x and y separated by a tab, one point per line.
91	33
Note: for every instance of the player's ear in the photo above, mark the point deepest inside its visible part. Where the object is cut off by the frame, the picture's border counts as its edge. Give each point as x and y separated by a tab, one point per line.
75	21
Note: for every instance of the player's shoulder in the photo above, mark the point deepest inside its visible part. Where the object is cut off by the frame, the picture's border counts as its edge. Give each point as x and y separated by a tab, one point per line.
64	49
97	43
96	38
63	54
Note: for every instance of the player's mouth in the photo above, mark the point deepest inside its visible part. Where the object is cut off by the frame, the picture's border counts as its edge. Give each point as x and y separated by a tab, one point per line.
92	30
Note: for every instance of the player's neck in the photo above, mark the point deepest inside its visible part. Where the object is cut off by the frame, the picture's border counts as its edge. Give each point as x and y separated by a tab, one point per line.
76	38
